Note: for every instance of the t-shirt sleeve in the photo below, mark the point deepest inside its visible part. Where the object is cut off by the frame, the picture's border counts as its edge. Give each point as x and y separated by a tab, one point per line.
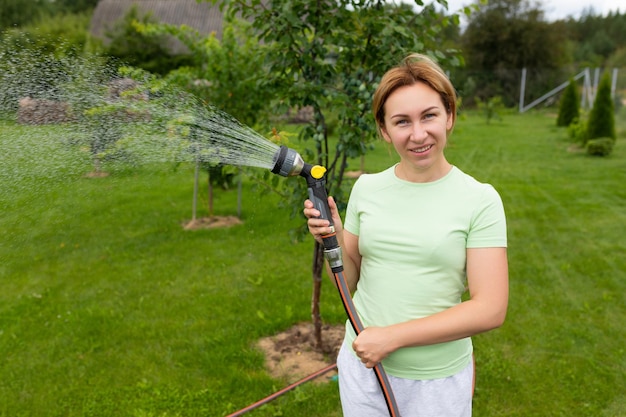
351	222
488	226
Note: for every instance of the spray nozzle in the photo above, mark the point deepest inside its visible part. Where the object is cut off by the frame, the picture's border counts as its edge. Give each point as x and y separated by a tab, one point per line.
287	162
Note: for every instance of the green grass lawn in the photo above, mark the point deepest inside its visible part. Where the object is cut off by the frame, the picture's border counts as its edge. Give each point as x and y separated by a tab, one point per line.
109	308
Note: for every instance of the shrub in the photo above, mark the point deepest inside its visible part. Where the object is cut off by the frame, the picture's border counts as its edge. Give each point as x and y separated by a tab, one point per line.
601	122
135	48
491	108
577	131
568	108
600	146
62	35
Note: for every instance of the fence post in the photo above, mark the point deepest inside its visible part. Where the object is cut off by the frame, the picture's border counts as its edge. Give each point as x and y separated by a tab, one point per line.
522	91
587	95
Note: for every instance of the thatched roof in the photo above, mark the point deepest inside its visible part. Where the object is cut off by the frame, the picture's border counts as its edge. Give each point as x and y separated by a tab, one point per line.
204	17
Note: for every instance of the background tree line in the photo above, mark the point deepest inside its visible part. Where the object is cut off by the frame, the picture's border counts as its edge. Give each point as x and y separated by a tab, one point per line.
497	40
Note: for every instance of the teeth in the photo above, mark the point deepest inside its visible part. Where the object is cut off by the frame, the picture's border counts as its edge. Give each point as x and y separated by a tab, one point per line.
423	148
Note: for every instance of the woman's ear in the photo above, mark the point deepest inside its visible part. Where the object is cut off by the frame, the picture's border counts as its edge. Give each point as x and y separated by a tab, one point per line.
384	134
449	121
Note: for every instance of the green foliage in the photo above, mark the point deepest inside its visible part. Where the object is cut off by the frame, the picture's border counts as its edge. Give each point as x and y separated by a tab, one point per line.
505	36
20	13
569	107
491	109
600	146
601	121
74	6
577	131
597	36
106	125
229	73
16	13
329	55
28	69
62	35
221	175
130	46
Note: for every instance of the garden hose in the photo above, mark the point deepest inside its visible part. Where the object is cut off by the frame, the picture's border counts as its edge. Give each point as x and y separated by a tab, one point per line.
288	162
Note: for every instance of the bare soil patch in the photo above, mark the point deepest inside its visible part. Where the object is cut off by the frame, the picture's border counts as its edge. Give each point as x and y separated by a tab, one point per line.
293	354
212	222
96	174
575	148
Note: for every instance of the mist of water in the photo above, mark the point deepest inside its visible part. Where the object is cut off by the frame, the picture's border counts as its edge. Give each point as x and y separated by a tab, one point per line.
223	138
135	124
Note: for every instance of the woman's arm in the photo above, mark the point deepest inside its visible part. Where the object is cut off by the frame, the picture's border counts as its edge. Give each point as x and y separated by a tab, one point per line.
488	281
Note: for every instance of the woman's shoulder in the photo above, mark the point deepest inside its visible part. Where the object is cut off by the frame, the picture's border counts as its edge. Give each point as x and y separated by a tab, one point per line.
376	179
469	180
469	185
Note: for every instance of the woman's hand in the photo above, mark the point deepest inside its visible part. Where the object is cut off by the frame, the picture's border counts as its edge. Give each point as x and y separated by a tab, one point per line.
373	345
320	227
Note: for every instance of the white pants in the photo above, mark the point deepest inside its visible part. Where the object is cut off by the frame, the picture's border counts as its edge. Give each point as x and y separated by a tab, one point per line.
361	395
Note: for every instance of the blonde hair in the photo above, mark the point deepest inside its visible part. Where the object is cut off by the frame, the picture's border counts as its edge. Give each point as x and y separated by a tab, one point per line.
413	69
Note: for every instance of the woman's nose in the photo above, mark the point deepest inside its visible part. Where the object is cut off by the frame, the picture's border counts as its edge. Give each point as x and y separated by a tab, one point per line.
418	133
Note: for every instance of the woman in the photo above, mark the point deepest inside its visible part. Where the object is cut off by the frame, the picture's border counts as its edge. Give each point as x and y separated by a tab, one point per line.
415	238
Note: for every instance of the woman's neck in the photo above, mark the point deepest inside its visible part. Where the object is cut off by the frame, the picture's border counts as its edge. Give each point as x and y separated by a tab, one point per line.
409	173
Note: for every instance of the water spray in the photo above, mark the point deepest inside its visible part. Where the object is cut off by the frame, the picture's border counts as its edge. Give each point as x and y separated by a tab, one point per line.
288	163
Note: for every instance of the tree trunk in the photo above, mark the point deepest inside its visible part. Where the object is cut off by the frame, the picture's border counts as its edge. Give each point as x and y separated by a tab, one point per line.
318	267
97	165
196	180
239	193
210	190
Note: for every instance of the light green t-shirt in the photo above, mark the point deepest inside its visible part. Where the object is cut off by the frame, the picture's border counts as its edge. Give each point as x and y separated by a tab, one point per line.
413	239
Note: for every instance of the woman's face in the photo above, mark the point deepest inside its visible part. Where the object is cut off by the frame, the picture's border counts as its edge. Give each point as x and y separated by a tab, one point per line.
416	124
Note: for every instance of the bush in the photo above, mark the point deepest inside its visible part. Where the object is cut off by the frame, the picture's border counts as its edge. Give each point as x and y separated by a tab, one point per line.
600	146
577	131
61	35
568	108
601	122
491	109
137	49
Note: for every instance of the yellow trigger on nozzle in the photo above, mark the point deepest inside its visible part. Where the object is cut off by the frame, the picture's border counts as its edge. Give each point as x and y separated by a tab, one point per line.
318	171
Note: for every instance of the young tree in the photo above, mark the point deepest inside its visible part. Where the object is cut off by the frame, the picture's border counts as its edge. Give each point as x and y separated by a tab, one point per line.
223	73
329	55
601	122
569	110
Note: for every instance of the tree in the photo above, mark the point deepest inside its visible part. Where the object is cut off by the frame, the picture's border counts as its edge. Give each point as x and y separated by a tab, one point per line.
505	36
74	6
569	107
223	73
329	55
16	13
132	47
597	37
601	123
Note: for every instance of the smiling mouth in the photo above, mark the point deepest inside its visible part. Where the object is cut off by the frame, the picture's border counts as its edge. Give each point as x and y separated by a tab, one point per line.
422	149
